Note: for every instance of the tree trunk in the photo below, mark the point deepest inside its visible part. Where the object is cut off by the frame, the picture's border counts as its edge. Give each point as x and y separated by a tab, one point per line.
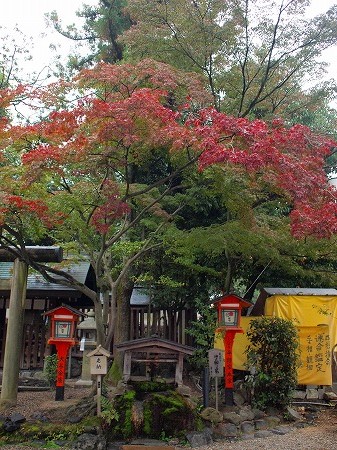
122	329
229	274
99	322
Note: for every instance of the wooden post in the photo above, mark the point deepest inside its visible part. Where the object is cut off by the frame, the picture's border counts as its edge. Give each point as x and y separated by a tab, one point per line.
99	367
13	347
99	394
14	335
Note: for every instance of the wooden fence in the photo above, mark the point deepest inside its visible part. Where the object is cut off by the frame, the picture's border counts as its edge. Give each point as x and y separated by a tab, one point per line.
165	323
34	342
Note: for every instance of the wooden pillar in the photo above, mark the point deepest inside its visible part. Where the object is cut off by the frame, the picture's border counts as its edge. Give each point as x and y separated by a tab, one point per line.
127	366
179	369
13	347
14	335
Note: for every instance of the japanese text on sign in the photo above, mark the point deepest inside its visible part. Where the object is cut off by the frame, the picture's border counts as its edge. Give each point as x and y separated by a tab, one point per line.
98	365
215	358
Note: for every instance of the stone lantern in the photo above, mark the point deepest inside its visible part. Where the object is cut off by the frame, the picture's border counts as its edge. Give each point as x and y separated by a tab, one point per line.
88	341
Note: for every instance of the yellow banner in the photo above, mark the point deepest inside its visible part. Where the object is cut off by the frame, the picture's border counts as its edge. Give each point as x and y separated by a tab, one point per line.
315	352
306	310
315	356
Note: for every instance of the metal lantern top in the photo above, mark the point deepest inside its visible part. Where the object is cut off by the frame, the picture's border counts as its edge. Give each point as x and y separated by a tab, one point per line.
229	310
63	324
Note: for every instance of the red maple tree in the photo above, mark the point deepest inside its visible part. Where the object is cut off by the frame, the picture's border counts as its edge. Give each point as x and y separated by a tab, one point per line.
112	117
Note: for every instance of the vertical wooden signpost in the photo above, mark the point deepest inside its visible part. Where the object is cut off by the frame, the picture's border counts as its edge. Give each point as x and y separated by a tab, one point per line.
215	359
99	366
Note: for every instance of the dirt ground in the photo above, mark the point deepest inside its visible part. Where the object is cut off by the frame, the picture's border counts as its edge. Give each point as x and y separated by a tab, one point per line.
32	402
321	435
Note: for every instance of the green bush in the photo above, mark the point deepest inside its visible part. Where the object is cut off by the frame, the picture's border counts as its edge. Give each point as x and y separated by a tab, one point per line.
203	332
272	358
51	368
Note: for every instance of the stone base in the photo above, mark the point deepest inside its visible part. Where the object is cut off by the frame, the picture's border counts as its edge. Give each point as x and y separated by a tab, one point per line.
83	383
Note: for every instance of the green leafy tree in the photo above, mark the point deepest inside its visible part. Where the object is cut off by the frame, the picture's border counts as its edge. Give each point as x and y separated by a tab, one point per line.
272	357
103	24
253	54
203	331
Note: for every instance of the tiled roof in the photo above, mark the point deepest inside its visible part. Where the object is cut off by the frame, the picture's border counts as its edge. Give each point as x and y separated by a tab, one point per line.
36	282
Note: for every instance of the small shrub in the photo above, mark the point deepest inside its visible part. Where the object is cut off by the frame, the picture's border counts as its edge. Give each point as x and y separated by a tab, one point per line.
51	369
203	332
272	357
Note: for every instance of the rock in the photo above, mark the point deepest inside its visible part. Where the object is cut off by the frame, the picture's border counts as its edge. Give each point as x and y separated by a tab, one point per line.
330	396
312	393
281	430
247	427
293	414
211	415
74	419
76	368
299	394
199	438
88	441
271	411
261	424
10	426
226	430
183	390
246	414
232	417
258	414
40	417
17	418
272	421
263	434
82	409
239	399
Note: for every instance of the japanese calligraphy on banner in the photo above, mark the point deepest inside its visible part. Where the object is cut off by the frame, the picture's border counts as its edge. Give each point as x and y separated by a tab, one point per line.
315	356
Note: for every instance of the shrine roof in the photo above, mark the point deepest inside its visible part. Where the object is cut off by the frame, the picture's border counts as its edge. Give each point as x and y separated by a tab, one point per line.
154	343
258	308
37	286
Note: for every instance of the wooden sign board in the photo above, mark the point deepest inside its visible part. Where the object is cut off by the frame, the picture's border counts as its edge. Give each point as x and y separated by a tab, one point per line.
98	365
215	359
99	361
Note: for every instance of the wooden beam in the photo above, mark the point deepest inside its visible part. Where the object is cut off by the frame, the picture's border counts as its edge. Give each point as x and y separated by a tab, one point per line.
40	254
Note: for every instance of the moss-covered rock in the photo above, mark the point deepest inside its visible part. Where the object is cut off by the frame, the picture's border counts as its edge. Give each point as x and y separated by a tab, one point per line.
148	411
30	431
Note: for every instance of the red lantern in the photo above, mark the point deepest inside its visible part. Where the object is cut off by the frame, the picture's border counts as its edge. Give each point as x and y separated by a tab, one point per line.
62	334
229	314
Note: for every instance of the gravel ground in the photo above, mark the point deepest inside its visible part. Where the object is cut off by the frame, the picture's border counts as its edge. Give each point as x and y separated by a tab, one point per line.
321	436
31	402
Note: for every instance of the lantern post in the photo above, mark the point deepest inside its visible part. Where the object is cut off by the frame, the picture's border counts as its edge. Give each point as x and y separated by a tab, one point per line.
229	314
62	334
